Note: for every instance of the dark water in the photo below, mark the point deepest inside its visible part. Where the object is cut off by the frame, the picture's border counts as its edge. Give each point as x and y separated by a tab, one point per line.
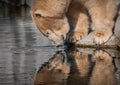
27	57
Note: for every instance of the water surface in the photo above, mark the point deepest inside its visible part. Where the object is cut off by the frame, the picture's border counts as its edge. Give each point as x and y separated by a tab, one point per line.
27	57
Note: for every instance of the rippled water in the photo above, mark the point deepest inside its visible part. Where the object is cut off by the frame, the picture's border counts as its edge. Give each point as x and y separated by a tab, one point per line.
27	57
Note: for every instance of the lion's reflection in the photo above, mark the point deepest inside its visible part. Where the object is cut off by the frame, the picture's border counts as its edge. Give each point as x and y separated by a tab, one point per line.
80	68
54	72
77	68
103	71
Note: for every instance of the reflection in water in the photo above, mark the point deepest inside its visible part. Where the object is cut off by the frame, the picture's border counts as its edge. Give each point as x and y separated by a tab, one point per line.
80	67
103	71
77	68
54	72
23	50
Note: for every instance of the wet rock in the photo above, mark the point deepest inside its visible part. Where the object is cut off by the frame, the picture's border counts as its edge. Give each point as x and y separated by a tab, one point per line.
117	29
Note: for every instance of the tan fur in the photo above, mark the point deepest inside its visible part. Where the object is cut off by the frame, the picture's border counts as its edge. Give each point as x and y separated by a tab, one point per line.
80	67
102	14
48	8
50	18
103	71
78	17
55	72
52	15
52	28
82	63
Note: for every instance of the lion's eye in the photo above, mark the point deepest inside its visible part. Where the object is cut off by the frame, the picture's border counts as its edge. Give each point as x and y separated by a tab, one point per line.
47	34
38	15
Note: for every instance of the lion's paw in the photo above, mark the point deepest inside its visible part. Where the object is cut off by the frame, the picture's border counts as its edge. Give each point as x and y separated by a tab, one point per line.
100	37
76	36
102	56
